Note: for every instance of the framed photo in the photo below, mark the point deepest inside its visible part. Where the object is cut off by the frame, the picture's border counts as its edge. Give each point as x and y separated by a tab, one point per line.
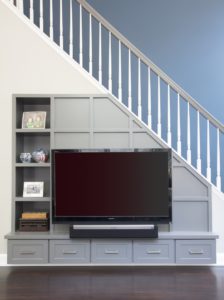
34	120
33	189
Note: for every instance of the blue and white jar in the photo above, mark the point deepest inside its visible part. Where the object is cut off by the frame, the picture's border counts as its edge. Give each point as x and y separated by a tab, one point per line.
25	157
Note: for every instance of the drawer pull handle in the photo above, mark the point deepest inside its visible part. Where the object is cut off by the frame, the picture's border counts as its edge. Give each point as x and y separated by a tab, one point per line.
70	252
111	251
27	253
154	252
192	252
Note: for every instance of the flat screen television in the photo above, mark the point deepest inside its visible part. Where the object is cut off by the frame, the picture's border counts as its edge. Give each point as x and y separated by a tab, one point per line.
110	186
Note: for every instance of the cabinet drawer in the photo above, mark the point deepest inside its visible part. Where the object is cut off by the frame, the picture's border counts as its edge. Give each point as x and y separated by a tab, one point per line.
27	251
195	252
153	251
69	251
111	251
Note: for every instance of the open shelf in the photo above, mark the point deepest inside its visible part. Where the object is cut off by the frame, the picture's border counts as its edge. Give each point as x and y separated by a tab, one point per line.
28	142
28	174
43	131
32	104
30	206
33	165
34	199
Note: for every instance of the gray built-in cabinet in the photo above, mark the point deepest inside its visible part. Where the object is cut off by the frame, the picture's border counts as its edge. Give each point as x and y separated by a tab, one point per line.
100	121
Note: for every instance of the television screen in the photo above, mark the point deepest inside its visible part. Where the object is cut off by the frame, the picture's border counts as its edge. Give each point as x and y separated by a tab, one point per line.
112	186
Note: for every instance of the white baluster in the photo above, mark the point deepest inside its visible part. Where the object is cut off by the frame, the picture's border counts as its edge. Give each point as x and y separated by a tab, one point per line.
178	126
139	90
90	46
119	73
149	100
31	10
100	53
41	20
71	31
159	131
129	80
169	135
80	37
198	143
61	24
12	1
110	65
51	20
188	134
20	5
17	4
218	177
208	171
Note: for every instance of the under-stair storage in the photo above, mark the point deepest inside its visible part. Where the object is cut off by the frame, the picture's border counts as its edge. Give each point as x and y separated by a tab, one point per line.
31	167
27	252
154	251
191	251
139	107
188	239
69	251
169	248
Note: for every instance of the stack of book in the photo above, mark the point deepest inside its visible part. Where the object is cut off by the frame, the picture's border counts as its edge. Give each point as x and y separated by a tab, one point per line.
34	221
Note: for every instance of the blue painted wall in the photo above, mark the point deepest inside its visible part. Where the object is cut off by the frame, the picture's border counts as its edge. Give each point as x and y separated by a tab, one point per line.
185	38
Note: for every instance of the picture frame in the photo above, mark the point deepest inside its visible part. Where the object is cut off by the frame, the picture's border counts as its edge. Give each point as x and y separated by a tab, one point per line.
34	120
33	189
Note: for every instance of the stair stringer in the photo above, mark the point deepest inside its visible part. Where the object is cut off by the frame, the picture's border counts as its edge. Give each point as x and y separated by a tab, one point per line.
112	125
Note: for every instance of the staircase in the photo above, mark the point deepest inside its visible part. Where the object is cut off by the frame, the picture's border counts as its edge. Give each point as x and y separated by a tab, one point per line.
133	79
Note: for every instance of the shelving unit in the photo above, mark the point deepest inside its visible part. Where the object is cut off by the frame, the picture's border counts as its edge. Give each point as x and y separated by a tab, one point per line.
26	141
98	121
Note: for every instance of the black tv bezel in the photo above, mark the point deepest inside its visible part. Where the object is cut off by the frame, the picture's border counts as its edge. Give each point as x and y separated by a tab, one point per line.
110	219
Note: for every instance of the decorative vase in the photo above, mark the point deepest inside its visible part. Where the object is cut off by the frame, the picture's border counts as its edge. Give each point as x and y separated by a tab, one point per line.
25	157
40	155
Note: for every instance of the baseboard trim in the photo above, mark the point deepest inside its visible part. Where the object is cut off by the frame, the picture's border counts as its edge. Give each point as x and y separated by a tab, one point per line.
220	259
3	259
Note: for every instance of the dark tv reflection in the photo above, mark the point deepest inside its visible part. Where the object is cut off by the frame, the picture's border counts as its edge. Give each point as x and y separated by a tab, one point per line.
112	184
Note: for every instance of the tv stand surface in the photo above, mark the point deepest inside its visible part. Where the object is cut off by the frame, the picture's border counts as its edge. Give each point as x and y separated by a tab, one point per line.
58	248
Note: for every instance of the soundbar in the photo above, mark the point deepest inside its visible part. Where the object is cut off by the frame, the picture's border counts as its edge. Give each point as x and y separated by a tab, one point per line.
112	226
114	231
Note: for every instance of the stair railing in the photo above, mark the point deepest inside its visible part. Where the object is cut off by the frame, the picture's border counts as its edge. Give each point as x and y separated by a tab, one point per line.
182	112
